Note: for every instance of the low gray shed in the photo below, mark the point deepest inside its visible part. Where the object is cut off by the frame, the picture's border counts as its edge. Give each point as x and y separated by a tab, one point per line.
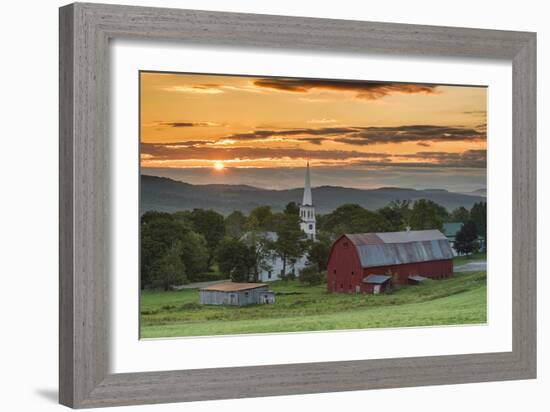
377	283
236	294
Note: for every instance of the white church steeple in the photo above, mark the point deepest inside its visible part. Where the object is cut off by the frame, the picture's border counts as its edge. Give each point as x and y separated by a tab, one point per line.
306	200
307	211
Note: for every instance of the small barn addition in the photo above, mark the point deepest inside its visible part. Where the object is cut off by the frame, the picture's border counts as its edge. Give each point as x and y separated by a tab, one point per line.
236	294
372	262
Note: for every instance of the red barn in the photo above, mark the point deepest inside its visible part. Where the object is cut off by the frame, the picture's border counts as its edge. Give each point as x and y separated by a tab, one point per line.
392	257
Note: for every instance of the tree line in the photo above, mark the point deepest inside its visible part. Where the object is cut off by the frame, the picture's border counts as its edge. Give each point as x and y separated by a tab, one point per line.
198	245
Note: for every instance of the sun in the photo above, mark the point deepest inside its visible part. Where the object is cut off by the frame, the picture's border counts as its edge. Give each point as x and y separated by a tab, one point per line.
219	166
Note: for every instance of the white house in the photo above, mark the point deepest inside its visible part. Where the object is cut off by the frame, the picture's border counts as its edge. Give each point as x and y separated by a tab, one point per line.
274	264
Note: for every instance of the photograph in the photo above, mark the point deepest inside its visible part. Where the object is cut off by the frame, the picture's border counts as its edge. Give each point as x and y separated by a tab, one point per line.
284	204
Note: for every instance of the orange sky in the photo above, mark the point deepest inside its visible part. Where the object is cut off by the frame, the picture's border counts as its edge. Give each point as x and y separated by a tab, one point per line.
197	121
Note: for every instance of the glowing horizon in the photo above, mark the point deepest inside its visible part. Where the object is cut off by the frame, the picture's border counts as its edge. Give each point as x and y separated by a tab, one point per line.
192	121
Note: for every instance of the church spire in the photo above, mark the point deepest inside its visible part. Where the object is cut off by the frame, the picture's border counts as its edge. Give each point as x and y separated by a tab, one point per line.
306	201
307	210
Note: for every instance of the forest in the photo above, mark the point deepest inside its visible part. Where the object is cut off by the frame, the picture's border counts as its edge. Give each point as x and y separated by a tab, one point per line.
201	245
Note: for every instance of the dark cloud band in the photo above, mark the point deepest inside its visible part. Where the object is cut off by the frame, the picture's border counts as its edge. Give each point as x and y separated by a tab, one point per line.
362	136
363	89
466	159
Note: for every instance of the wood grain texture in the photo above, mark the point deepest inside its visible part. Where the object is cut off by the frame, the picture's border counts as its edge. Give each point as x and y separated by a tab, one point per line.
85	31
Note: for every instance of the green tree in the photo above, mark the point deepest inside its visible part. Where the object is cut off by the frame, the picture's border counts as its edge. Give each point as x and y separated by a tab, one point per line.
169	270
184	219
290	244
318	253
235	259
442	213
292	208
262	218
159	232
211	225
235	224
311	275
466	241
426	214
478	214
459	215
195	255
352	218
393	217
397	214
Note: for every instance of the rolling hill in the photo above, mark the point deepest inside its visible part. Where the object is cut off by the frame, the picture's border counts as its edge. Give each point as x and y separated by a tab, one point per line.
163	194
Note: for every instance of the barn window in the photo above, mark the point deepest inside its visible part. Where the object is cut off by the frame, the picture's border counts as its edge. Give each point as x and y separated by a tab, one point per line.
335	271
346	245
246	294
310	227
269	274
352	273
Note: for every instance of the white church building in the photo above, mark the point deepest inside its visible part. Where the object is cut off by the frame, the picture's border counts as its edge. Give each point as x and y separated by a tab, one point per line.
274	264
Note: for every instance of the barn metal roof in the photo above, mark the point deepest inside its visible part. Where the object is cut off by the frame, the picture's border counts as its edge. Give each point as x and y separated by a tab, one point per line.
395	237
233	286
396	248
376	279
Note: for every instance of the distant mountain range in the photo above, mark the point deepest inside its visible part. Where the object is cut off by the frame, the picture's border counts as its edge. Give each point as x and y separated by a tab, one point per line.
478	192
167	195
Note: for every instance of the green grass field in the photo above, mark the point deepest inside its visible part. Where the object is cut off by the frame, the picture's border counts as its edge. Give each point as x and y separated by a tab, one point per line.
459	300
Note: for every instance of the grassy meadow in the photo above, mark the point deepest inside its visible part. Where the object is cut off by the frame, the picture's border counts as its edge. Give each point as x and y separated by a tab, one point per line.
461	299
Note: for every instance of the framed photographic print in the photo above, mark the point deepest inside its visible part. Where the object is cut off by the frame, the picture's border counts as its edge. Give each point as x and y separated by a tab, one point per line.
305	194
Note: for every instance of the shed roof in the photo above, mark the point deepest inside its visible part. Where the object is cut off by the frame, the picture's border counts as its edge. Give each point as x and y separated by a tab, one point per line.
418	278
233	286
397	248
376	279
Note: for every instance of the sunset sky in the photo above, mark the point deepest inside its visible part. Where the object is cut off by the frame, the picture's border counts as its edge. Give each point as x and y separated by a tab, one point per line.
261	131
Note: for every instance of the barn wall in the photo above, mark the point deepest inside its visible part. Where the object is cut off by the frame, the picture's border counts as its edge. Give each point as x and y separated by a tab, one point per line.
437	269
343	261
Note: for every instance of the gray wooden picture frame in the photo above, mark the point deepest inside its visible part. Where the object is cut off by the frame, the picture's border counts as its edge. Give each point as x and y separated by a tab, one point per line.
85	32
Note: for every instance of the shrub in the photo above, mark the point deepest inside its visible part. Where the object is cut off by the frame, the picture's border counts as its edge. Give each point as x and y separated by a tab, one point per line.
311	275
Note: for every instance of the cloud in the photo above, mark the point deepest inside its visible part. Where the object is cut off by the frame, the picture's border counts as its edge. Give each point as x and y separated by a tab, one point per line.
196	151
362	89
195	88
468	158
184	150
314	140
321	121
267	134
476	112
211	88
363	136
190	124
